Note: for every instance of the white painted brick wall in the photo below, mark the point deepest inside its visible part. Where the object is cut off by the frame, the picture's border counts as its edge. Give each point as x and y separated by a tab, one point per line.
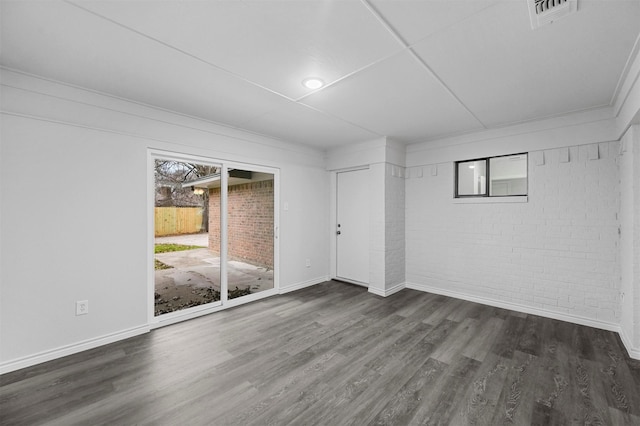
387	225
558	252
377	251
394	226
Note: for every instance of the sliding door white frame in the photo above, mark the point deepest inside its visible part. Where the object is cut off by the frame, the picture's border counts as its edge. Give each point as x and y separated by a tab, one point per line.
224	302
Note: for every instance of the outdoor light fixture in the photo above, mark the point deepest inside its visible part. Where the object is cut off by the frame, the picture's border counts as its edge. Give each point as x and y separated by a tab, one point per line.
197	191
312	83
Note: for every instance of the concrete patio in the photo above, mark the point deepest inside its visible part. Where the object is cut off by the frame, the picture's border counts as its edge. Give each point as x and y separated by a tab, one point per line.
194	276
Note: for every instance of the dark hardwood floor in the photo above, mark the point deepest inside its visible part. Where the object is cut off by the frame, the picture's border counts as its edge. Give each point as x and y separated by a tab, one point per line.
334	354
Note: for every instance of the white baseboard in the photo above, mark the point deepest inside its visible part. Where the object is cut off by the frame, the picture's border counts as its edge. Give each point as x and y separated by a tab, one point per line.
388	292
609	326
589	322
634	352
304	284
17	364
28	361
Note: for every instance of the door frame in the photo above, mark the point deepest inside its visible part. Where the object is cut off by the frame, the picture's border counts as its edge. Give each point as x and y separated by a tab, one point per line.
333	224
224	303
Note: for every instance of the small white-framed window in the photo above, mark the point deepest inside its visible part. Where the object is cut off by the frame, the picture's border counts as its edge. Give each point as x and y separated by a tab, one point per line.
500	176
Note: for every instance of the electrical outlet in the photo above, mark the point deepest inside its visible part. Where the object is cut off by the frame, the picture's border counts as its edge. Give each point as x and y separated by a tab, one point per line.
82	307
308	263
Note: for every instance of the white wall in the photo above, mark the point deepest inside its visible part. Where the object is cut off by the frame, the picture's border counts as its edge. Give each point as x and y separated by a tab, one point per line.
303	228
73	228
636	244
635	307
73	191
556	254
630	237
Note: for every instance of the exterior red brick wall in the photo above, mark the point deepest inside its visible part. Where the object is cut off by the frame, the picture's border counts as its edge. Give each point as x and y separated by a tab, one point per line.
250	220
214	220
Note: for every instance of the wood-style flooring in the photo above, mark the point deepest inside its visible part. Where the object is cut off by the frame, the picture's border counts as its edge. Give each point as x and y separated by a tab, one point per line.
334	354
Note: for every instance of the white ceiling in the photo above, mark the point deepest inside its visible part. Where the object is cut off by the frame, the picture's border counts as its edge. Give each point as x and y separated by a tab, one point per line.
409	70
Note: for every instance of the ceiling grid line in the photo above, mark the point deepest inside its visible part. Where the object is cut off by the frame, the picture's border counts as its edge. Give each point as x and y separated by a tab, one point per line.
408	47
191	55
287	98
351	74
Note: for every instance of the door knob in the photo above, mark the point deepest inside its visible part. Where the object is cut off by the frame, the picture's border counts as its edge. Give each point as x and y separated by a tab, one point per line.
338	233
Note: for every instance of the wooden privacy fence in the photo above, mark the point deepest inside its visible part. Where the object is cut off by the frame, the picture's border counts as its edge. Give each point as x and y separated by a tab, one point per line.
177	220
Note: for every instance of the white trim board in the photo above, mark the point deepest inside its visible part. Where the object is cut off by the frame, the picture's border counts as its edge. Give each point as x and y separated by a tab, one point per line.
627	342
609	326
388	292
50	355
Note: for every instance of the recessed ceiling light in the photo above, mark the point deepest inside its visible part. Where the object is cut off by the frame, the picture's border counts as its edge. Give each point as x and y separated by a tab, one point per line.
312	83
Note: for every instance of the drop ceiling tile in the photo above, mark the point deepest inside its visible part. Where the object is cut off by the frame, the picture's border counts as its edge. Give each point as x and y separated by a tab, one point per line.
61	42
302	124
505	72
415	20
275	44
396	98
501	69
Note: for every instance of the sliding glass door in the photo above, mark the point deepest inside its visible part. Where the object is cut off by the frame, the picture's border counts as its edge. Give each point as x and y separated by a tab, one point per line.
186	235
214	227
251	230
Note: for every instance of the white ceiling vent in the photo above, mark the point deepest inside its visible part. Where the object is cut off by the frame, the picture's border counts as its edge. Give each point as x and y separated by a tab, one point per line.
543	12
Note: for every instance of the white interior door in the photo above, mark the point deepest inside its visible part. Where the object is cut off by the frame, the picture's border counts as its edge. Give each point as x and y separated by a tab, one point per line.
352	226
